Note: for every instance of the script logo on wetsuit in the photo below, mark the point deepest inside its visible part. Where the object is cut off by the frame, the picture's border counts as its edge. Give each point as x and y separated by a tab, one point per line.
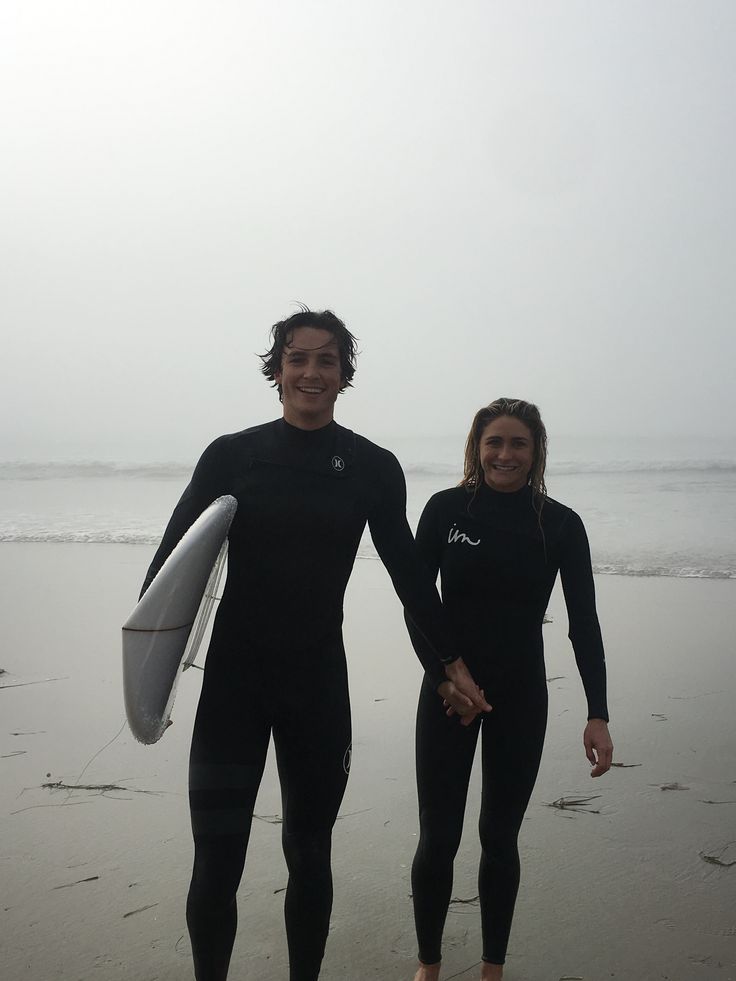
347	758
459	536
338	463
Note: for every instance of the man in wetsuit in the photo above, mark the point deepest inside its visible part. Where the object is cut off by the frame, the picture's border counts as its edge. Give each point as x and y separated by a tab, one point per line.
305	488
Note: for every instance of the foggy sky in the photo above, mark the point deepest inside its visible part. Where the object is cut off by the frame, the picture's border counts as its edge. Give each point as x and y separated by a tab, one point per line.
525	199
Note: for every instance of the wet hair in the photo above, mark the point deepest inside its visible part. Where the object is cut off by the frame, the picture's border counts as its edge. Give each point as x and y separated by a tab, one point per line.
281	334
525	412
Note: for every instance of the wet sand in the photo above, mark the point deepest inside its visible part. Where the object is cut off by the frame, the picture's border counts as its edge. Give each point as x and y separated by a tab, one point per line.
636	884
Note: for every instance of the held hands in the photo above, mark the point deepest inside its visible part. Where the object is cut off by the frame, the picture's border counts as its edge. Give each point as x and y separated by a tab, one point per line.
598	746
461	694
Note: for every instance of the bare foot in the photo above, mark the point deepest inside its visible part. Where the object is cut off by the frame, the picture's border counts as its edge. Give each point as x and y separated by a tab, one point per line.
428	972
491	972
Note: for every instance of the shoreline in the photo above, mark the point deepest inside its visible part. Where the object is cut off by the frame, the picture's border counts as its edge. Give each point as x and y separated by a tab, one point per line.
598	570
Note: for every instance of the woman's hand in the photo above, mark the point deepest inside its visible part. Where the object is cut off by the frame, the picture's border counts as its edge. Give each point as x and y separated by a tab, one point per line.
464	690
456	703
598	746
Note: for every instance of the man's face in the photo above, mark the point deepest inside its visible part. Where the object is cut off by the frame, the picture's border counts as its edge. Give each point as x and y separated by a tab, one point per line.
310	377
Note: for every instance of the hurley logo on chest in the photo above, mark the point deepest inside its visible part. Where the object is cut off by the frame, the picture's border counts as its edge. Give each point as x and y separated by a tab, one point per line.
455	535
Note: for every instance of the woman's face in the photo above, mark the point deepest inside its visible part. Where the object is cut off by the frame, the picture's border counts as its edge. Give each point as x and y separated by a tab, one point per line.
506	454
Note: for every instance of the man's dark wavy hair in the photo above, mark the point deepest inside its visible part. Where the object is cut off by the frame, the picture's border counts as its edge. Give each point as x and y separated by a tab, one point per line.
323	320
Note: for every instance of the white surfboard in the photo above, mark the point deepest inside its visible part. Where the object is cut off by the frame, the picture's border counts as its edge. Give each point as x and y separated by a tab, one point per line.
163	633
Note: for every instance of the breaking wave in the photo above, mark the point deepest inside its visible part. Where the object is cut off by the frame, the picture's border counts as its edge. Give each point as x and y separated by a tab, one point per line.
20	470
563	467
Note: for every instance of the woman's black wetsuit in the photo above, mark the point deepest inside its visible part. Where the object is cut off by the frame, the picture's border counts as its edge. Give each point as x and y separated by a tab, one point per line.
276	661
498	570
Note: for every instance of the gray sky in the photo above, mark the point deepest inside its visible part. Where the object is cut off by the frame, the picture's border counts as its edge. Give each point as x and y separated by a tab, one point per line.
527	199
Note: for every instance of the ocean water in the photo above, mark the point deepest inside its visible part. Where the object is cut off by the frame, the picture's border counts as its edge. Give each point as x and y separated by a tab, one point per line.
651	508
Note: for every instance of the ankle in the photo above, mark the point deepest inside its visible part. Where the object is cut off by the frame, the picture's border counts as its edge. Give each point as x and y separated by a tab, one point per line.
428	972
491	972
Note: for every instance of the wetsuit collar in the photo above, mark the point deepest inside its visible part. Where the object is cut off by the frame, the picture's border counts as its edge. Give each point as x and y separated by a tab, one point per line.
509	499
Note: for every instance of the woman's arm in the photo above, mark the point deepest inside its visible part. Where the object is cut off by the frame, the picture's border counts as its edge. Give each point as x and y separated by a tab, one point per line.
576	572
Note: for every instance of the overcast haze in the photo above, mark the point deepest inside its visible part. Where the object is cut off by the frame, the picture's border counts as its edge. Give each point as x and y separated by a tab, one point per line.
531	199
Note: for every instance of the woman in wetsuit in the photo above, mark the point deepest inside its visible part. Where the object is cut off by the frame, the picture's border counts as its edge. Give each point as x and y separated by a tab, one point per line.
499	542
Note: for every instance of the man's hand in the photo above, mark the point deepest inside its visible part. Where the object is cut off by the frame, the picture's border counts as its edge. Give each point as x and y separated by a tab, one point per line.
461	694
598	746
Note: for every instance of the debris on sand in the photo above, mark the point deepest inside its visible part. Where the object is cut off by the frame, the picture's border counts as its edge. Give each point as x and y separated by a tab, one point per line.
555	677
16	752
670	786
39	681
474	901
714	860
67	885
277	819
625	766
142	909
687	698
659	717
574	804
717	859
103	788
701	801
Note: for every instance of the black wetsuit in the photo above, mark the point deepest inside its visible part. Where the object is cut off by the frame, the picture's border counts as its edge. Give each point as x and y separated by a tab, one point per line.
276	661
498	570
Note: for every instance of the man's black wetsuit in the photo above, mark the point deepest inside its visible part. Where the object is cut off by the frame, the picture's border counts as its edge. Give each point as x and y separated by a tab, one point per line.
498	570
276	661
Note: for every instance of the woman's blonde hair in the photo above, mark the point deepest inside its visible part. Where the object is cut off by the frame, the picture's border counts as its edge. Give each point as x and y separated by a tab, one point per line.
525	412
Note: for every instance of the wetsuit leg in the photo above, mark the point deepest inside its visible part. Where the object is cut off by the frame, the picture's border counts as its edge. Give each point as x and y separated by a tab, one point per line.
312	740
512	741
444	754
229	745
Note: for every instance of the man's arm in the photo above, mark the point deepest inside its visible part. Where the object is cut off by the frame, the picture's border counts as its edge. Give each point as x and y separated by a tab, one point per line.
415	587
201	491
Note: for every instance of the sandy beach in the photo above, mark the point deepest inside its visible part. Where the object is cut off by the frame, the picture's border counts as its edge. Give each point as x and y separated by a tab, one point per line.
638	883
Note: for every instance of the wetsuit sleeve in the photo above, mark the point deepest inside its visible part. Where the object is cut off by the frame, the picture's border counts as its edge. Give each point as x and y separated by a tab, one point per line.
430	552
201	491
584	630
412	581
